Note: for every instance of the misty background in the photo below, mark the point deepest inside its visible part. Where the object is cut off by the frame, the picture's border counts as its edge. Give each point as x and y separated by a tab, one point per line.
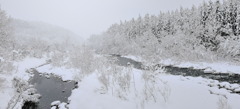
87	17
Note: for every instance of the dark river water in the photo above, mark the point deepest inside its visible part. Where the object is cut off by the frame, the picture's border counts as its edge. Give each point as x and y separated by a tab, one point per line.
51	89
222	77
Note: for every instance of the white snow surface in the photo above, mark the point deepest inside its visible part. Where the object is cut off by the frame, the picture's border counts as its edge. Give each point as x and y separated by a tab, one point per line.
62	105
6	92
64	72
136	58
26	64
186	93
58	105
55	103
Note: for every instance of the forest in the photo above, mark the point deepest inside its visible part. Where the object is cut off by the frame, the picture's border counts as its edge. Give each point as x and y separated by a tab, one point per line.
207	32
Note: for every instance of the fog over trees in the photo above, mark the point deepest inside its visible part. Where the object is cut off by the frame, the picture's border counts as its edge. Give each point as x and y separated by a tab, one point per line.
21	39
170	60
212	28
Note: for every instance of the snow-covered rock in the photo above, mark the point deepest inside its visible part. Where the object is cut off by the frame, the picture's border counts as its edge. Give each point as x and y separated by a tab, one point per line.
235	86
225	85
54	107
237	90
55	103
212	84
135	58
31	95
62	105
208	70
1	59
47	76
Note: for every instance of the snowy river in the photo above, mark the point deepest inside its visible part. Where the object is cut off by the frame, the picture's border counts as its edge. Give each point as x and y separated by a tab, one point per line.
222	77
51	88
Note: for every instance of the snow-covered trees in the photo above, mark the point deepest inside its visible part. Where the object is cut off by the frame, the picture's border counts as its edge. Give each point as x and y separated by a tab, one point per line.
6	43
223	103
82	58
207	25
5	37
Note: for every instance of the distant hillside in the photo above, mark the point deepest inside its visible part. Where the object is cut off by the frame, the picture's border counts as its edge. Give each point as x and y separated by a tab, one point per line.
210	31
52	34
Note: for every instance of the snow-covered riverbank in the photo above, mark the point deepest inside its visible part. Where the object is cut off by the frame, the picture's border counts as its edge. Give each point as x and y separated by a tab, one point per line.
7	90
63	72
217	67
143	91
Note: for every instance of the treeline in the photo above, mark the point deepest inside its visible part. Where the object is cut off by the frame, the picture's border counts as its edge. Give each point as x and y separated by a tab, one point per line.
21	39
211	27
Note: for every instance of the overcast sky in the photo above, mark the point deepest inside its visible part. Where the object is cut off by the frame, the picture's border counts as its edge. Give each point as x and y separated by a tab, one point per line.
86	17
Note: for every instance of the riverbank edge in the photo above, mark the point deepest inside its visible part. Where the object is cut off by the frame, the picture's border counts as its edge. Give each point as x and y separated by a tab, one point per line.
208	67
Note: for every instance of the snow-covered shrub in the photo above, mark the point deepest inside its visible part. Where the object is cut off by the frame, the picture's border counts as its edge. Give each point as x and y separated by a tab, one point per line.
1	82
223	103
165	91
82	58
122	80
229	48
6	67
57	58
115	79
33	47
150	85
25	93
38	47
104	79
20	84
181	47
118	79
108	74
30	95
154	85
102	66
147	45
